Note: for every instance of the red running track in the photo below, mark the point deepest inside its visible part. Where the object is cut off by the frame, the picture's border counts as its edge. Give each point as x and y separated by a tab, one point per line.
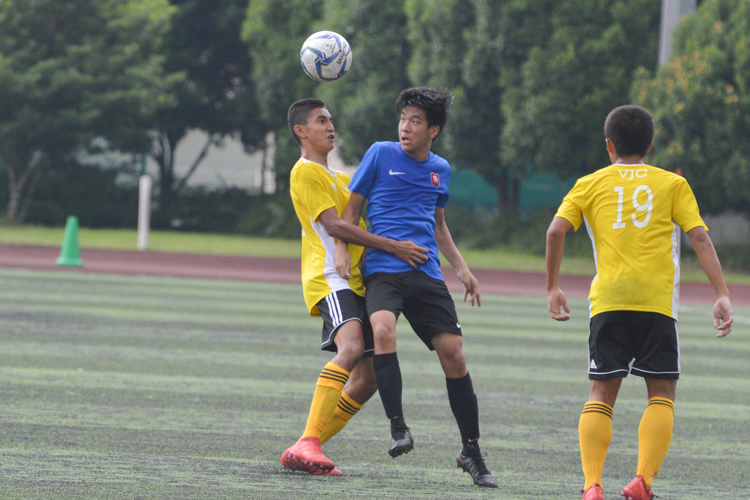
281	270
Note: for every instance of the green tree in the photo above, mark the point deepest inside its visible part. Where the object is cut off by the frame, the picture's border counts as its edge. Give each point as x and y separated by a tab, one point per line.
71	72
572	79
458	45
476	49
216	94
701	104
363	101
274	31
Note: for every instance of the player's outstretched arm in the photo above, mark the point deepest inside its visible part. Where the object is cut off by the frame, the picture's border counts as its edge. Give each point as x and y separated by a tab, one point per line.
556	299
448	248
344	229
704	249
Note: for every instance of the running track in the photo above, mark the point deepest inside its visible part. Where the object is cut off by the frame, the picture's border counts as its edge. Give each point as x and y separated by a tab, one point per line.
279	270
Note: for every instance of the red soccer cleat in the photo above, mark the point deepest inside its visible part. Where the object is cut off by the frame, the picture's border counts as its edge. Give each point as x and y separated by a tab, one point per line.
307	455
637	490
286	461
332	472
593	493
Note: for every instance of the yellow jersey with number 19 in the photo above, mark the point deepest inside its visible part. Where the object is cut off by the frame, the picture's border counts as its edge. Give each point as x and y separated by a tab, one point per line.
630	212
314	189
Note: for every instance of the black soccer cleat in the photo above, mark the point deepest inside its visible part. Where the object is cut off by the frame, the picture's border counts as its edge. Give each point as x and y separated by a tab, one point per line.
401	441
477	469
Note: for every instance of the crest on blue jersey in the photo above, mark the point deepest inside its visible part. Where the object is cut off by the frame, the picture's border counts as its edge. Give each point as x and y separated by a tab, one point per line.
435	179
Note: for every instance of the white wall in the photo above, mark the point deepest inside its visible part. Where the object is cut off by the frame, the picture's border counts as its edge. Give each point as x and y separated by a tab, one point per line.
225	165
229	165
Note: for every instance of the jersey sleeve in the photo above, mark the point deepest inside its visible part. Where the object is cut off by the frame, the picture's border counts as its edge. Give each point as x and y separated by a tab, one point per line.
685	210
366	172
312	192
445	193
571	208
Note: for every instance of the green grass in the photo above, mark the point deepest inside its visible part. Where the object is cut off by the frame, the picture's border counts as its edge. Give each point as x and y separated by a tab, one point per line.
218	244
161	241
141	387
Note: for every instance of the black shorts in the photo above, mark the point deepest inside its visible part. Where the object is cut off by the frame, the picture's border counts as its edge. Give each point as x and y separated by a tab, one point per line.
341	307
618	337
425	302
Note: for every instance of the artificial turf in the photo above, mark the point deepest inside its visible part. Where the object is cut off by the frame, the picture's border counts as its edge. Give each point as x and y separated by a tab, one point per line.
143	387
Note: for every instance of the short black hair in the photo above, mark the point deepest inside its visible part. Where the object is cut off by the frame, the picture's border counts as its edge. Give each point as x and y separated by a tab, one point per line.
434	103
631	130
300	111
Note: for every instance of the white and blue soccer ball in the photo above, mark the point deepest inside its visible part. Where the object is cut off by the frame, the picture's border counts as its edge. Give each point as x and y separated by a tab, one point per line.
326	56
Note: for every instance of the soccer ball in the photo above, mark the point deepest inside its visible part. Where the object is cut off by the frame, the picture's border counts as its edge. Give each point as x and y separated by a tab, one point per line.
325	56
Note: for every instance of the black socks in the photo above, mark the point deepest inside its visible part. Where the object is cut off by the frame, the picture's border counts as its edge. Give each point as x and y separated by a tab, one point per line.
388	377
466	410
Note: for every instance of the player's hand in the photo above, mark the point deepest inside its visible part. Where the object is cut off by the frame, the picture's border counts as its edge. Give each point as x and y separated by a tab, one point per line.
410	252
471	287
556	300
343	261
723	316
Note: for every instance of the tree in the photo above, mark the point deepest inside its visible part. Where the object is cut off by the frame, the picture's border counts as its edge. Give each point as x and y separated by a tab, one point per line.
701	104
71	72
570	81
363	101
465	53
216	94
274	31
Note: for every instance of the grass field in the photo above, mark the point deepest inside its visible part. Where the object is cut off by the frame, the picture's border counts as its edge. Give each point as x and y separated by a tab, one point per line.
135	387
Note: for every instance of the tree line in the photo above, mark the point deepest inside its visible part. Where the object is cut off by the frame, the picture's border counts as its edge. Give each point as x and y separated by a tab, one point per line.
533	81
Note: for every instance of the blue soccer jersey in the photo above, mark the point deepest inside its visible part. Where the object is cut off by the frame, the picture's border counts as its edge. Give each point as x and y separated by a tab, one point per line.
402	194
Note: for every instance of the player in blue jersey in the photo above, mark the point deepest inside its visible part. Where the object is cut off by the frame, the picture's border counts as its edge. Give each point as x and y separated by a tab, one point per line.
406	188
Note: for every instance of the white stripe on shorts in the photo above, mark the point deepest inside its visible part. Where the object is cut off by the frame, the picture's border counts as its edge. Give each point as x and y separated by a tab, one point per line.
335	308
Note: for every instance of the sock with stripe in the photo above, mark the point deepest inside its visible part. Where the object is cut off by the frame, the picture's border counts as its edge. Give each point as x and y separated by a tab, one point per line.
388	377
654	437
595	434
345	410
327	395
465	409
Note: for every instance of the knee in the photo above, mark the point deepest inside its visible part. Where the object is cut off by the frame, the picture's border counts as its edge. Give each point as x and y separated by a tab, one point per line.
456	359
452	358
352	350
383	332
349	352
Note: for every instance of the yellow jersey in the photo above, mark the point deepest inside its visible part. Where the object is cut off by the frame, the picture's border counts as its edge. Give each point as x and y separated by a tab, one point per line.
630	212
314	189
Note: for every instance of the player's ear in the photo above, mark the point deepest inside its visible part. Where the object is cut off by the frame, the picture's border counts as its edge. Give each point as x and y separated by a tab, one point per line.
434	131
300	130
611	146
649	147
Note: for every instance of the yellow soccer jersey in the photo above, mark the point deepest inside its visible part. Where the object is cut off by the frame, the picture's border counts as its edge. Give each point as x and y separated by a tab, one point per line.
315	189
630	212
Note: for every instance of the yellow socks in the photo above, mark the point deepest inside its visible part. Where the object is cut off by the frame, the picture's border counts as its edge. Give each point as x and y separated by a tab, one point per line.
345	410
654	437
595	434
327	394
